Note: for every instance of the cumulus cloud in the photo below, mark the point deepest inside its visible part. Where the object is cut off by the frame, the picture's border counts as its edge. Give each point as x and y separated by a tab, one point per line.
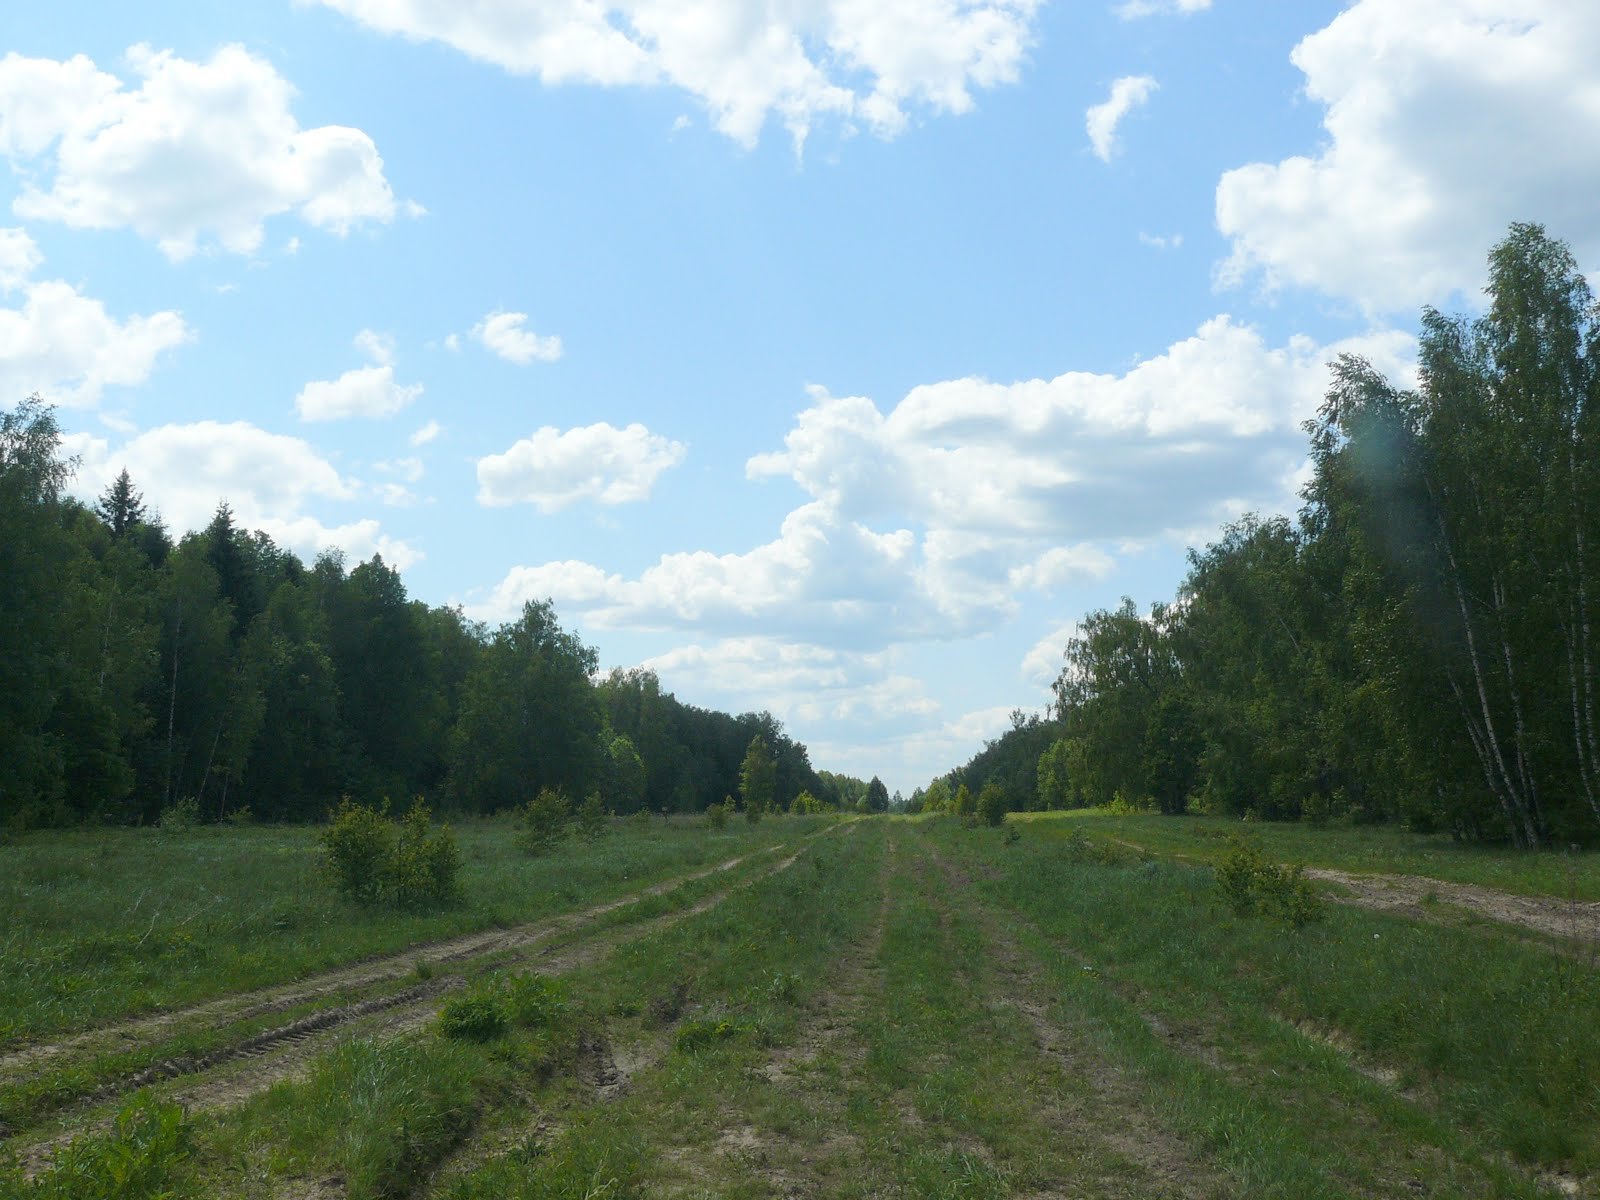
1042	663
268	479
65	345
426	434
1131	9
195	152
362	391
930	521
503	333
1445	121
555	468
1101	120
744	60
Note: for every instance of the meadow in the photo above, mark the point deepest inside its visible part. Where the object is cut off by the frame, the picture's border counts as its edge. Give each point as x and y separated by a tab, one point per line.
1063	1006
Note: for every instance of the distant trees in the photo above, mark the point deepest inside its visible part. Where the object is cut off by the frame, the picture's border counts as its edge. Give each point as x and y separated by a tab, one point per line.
1420	644
221	672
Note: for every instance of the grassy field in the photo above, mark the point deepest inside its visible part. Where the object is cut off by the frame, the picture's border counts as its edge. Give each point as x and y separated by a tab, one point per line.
882	1007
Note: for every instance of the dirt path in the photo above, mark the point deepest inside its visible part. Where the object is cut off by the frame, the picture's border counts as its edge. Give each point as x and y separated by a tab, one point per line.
230	1076
1578	920
243	1006
1105	1108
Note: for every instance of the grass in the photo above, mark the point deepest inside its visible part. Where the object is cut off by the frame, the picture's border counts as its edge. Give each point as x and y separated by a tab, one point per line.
915	1009
101	924
1565	874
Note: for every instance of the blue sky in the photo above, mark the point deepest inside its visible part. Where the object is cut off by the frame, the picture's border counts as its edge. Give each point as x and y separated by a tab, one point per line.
828	357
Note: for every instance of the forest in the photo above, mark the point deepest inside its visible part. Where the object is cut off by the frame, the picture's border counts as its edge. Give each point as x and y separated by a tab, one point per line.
218	671
1417	645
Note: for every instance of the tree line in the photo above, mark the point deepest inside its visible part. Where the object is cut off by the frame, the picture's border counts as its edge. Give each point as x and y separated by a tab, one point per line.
219	671
1417	644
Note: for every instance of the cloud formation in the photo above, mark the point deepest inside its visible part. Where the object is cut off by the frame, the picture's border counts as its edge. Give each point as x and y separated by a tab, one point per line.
555	468
65	345
744	60
1445	121
196	153
503	333
1101	120
362	391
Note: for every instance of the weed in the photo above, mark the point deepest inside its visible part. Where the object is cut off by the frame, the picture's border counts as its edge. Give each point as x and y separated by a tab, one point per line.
135	1162
495	1005
475	1017
695	1036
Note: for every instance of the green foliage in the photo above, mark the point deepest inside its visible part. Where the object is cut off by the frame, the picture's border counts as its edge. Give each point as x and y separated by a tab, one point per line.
717	815
180	816
359	847
1252	885
695	1037
964	806
495	1005
992	804
591	819
544	821
805	804
134	1162
426	861
758	779
371	857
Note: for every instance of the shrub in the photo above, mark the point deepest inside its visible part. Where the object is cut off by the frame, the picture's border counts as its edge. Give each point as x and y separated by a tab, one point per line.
544	821
134	1162
474	1017
359	845
716	816
695	1036
180	816
423	869
805	805
371	859
992	804
592	818
1253	886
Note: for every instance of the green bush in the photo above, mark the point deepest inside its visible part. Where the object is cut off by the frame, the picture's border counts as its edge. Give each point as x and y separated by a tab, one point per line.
475	1017
371	858
695	1036
423	869
180	816
544	821
134	1162
1253	886
359	845
992	805
592	818
716	816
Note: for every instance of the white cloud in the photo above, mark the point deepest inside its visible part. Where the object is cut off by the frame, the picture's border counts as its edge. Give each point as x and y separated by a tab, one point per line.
1157	241
1101	120
64	345
1132	9
928	523
555	468
268	480
362	391
1042	663
426	434
409	468
1445	121
19	257
502	333
744	60
195	153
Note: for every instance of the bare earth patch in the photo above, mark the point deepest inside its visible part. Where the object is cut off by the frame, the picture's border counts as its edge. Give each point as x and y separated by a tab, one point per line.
1578	920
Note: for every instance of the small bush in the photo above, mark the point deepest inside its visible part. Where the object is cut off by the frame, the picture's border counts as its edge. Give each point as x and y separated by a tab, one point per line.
695	1036
533	1001
134	1162
180	816
371	858
423	869
359	846
716	816
241	817
475	1017
992	805
592	818
1253	886
544	821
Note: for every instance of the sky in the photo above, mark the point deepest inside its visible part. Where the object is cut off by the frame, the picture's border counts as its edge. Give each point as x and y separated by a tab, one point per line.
828	357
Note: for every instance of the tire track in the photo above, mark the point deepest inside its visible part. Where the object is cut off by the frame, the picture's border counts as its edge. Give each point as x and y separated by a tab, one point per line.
283	1053
243	1006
